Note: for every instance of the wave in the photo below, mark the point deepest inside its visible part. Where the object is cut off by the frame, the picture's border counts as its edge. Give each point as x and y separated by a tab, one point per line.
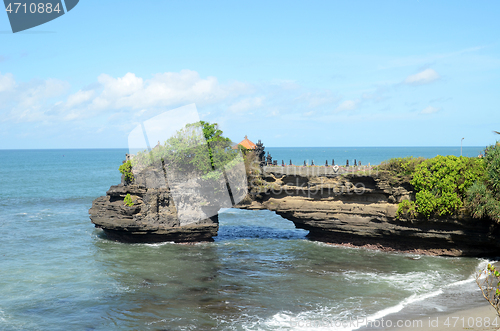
416	298
158	244
324	318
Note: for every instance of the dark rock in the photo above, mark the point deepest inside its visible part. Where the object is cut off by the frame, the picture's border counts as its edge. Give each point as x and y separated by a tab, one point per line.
361	210
153	218
356	209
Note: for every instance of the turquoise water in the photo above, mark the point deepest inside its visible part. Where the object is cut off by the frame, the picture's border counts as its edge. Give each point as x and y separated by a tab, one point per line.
58	272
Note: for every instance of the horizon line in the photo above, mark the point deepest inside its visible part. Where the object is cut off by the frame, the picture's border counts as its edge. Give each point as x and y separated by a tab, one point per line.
109	148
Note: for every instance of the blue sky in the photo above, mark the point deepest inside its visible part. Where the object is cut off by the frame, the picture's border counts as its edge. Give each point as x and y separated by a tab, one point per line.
291	73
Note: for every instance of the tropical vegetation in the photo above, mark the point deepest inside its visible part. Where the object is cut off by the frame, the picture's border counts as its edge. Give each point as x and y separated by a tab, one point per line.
197	149
483	198
128	200
126	169
447	185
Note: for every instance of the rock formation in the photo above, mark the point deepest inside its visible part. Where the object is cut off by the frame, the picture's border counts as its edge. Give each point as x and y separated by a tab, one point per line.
357	208
153	217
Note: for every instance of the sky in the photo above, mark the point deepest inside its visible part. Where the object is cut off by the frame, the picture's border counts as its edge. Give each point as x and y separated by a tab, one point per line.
291	73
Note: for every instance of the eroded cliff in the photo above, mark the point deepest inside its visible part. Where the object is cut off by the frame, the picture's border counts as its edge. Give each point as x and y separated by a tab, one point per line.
351	208
154	216
359	209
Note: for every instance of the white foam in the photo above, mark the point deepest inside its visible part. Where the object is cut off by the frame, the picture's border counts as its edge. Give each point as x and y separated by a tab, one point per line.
415	282
310	320
159	244
416	298
2	316
397	308
472	278
323	319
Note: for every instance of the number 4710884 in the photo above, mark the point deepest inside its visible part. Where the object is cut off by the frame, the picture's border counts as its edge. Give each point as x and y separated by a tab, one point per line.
471	322
33	8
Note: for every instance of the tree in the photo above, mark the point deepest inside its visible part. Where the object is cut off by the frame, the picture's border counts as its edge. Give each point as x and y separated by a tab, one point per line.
218	146
441	183
126	169
483	198
198	148
488	281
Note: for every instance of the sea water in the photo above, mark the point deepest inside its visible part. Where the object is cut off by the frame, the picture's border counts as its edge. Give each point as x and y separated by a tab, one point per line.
365	155
57	272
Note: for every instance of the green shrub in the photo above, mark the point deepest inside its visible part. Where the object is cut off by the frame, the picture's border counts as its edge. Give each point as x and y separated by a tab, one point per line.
407	209
126	169
197	148
128	200
401	165
441	183
481	202
492	158
483	198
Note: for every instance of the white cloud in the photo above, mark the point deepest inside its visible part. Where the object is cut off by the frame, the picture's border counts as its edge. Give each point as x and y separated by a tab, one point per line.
246	104
133	93
33	101
28	101
347	105
122	100
165	89
286	84
7	82
318	98
79	98
34	94
273	113
400	62
430	110
423	77
377	95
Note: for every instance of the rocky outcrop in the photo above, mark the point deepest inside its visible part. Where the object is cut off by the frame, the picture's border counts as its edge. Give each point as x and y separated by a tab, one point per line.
153	216
360	209
355	209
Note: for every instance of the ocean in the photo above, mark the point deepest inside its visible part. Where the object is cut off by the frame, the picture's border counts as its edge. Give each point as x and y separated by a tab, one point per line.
365	155
58	272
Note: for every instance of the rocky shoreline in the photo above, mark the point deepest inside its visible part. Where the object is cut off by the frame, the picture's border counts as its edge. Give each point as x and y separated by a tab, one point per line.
355	209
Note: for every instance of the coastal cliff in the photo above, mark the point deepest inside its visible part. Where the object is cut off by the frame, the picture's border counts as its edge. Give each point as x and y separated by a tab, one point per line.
359	209
153	217
354	209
